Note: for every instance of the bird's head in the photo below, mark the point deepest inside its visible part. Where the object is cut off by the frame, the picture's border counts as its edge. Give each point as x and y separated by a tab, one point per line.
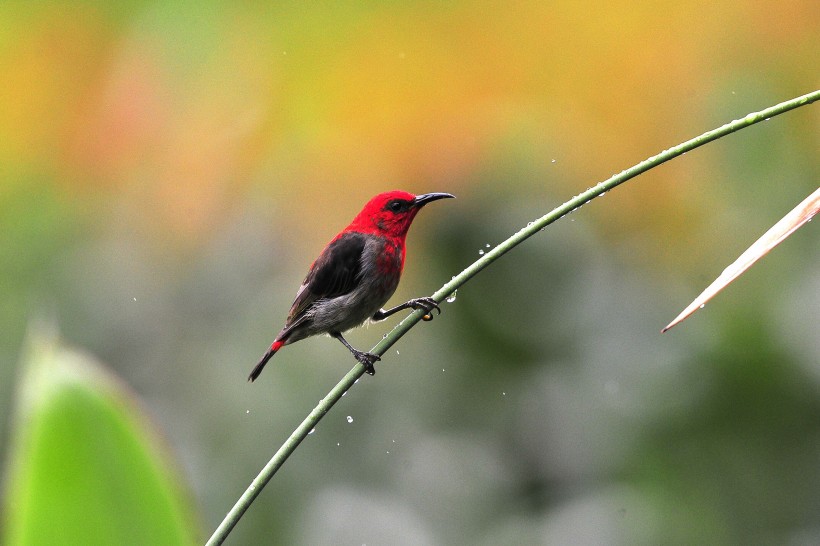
391	213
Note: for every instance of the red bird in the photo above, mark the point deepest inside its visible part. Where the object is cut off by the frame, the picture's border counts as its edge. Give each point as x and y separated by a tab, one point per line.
354	276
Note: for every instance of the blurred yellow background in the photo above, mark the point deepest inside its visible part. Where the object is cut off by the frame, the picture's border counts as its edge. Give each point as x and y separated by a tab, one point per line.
168	171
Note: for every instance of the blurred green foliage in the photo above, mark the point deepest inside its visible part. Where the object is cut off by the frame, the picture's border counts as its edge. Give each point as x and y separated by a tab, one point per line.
84	469
169	170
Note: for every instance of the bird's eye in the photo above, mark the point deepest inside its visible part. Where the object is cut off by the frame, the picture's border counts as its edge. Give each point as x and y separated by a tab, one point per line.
395	206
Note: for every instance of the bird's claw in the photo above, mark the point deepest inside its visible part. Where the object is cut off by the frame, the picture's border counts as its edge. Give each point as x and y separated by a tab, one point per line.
367	360
428	304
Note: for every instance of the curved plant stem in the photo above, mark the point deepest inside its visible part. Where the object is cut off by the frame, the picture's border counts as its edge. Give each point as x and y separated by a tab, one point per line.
517	238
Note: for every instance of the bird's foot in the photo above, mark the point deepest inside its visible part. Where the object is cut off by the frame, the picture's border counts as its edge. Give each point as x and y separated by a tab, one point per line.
428	304
367	360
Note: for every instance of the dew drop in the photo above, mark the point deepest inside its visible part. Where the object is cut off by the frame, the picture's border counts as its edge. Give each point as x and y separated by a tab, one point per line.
312	430
452	297
702	305
480	252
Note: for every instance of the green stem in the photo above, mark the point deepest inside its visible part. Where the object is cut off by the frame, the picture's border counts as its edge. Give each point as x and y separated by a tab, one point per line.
517	238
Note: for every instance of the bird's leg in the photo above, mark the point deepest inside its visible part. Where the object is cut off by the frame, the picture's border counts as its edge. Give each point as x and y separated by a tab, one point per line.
366	359
427	303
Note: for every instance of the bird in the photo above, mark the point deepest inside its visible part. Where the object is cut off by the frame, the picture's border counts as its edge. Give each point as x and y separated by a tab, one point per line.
354	276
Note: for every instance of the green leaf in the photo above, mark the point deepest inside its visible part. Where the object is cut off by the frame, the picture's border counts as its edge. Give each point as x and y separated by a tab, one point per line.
85	466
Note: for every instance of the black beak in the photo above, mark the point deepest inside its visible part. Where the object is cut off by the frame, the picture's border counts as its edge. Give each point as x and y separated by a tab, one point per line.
422	200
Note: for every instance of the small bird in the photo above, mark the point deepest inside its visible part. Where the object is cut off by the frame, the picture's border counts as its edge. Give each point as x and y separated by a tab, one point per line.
355	275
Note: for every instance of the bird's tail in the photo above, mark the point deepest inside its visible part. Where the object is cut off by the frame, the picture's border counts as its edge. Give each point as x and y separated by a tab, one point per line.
264	360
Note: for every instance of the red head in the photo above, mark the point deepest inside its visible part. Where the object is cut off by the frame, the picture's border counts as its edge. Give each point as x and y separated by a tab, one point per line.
391	213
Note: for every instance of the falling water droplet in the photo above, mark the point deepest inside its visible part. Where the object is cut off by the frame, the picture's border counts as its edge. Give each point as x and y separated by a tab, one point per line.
349	419
611	386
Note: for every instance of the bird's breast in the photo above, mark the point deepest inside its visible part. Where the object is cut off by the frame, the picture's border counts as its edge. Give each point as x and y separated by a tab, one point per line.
390	258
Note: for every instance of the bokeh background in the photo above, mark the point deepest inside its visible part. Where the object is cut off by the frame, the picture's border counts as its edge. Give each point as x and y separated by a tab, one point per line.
169	170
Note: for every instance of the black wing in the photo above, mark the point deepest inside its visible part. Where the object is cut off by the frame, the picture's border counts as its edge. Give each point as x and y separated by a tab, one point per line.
334	273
